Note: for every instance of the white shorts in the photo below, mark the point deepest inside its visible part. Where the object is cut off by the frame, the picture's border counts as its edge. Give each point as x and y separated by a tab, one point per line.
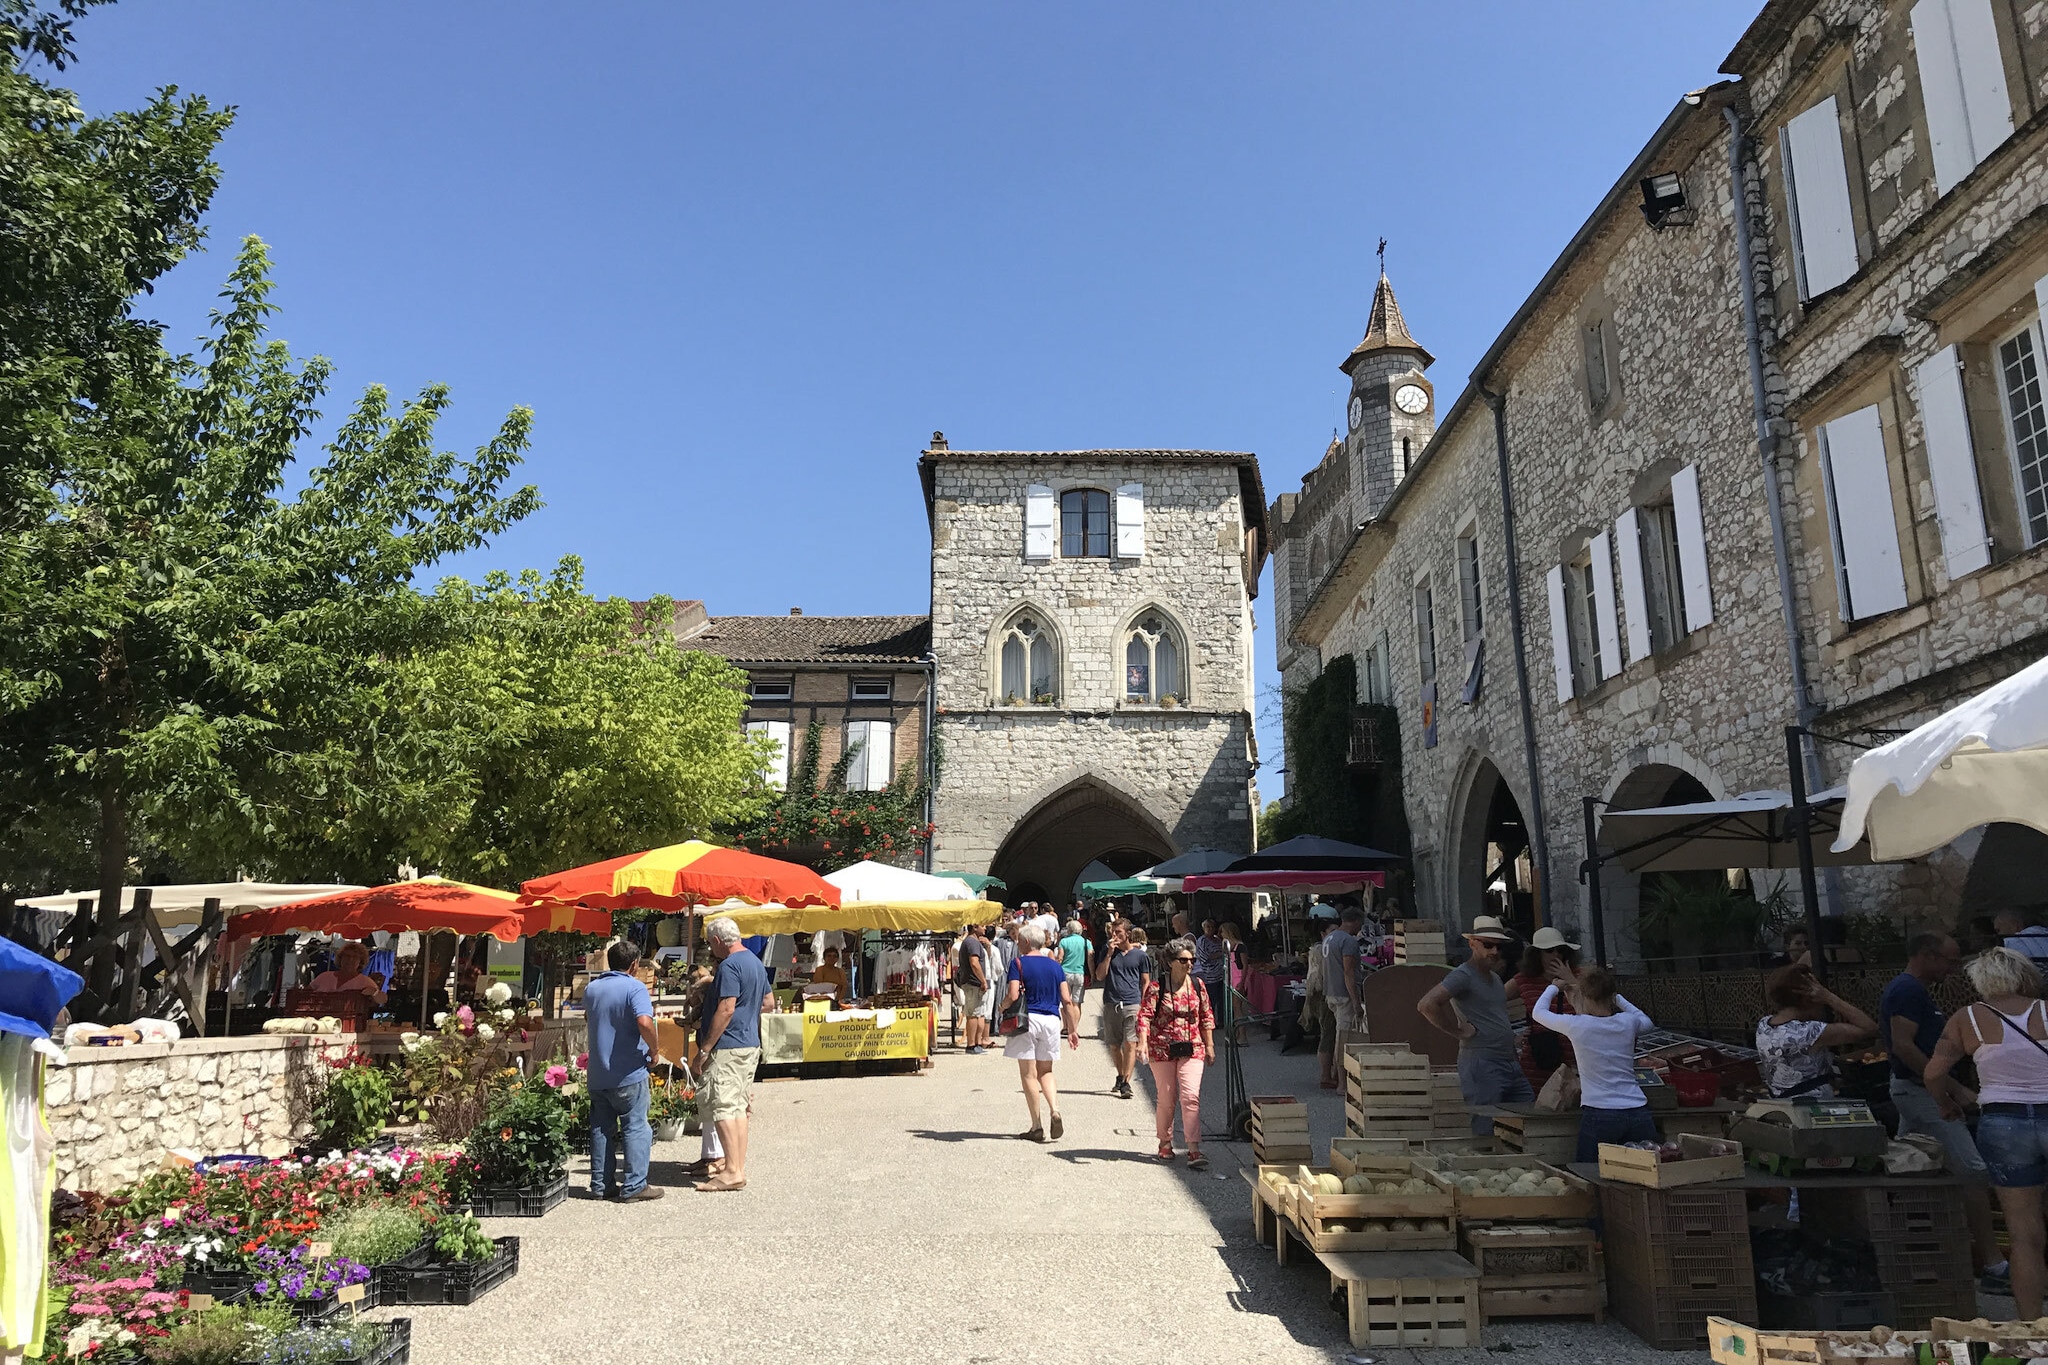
1039	1042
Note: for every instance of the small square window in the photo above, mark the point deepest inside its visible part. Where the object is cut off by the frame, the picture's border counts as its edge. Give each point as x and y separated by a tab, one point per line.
771	687
873	689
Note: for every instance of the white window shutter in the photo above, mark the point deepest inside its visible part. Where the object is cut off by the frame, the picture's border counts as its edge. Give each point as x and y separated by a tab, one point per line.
1635	602
1962	84
1982	72
1130	521
881	758
1817	176
2041	296
776	774
1692	548
1952	463
1860	494
1560	633
1603	605
1041	522
857	766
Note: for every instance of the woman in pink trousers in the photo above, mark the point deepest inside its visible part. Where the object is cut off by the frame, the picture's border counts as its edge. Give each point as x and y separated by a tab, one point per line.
1177	1034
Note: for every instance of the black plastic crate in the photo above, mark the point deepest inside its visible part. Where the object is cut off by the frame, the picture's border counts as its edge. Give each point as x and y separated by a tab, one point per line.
458	1283
1678	1241
1826	1312
494	1202
1883	1215
393	1348
387	1281
219	1283
1921	1305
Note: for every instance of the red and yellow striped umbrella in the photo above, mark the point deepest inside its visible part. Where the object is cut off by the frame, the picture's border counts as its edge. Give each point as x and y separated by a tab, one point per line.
681	876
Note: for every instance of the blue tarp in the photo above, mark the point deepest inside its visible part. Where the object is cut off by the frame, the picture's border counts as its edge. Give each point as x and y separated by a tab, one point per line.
32	990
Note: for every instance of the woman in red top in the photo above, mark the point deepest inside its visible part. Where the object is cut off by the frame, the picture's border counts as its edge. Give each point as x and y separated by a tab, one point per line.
1177	1034
1544	1051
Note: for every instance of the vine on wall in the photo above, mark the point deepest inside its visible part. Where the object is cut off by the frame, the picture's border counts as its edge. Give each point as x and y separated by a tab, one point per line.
1326	796
819	823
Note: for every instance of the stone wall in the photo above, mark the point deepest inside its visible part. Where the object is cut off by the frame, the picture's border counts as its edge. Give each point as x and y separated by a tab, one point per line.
1179	774
114	1111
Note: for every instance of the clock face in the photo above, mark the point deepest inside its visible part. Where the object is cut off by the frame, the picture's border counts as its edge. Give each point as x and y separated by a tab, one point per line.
1411	398
1357	411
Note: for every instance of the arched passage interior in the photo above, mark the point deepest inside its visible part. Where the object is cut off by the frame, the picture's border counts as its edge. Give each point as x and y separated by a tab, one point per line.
1624	893
1493	874
1085	822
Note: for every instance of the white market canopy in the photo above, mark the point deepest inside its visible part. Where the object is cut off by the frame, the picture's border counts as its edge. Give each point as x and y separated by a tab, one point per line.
175	905
1750	830
1984	762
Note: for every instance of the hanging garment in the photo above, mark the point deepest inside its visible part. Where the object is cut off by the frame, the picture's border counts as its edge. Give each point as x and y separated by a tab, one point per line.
27	1177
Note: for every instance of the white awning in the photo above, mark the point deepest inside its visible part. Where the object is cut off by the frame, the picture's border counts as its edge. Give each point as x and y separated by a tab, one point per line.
1751	830
174	905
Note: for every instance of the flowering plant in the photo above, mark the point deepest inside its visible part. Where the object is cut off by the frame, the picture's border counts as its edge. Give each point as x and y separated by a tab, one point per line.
523	1141
449	1076
102	1317
287	1275
671	1101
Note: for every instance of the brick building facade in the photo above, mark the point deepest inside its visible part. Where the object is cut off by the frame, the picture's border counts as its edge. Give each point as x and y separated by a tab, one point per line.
1644	635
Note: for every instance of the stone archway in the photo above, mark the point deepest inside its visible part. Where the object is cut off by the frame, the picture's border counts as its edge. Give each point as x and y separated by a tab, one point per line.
1490	870
1621	891
2005	873
1086	820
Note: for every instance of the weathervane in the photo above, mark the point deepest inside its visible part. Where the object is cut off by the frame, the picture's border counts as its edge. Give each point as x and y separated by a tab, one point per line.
1383	255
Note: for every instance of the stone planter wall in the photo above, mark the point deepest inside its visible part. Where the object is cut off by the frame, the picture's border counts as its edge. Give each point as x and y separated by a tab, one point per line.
114	1111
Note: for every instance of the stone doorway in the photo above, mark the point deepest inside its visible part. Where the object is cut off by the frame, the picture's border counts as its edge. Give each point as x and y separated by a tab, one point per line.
1087	821
1492	874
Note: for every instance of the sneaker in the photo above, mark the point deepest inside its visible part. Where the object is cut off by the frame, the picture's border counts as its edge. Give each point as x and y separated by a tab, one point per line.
975	1051
1990	1282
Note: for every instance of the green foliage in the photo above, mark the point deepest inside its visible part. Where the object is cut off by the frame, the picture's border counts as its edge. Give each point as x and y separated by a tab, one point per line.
220	1336
448	1078
459	1237
1325	795
355	1105
821	824
375	1234
523	1139
320	1343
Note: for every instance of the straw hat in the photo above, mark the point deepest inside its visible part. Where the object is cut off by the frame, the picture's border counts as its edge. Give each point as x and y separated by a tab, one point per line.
1488	927
1547	939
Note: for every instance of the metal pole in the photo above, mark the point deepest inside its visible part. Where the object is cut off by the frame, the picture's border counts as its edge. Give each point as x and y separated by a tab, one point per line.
1594	910
1539	832
1802	834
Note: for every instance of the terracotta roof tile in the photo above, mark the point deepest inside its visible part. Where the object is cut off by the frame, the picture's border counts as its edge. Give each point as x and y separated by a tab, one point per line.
816	639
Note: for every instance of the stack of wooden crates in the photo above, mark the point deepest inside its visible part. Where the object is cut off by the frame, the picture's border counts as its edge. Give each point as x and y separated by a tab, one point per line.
1391	1092
1418	942
1537	1255
1280	1130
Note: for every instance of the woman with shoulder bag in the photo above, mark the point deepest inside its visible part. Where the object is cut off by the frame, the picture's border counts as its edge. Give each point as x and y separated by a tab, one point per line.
1177	1033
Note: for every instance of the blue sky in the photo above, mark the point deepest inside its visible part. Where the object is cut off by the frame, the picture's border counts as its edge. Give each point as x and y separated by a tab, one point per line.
741	260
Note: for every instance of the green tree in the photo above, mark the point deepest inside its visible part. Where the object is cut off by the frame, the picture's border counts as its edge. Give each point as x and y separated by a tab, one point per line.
175	611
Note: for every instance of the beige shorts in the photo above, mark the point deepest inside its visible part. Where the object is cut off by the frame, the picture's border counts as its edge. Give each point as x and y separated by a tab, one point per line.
1119	1023
728	1079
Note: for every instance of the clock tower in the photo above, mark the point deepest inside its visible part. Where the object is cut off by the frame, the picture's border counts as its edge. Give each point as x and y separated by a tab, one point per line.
1392	411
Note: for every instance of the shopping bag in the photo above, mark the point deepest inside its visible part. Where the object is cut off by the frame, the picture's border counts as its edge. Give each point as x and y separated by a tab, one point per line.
1013	1018
1561	1091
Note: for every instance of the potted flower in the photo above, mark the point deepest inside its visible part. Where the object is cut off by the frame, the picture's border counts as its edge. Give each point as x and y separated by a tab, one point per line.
1169	701
309	1287
672	1108
520	1150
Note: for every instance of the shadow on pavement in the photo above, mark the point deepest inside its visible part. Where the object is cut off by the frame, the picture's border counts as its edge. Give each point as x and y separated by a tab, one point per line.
959	1135
1077	1155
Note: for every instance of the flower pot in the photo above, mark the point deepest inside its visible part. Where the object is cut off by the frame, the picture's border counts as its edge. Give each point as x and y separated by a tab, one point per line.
692	1127
668	1132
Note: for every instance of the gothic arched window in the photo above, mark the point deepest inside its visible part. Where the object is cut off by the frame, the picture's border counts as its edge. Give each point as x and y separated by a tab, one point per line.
1152	661
1030	662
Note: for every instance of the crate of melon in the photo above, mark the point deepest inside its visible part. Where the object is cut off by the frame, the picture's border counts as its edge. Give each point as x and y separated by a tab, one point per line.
1387	1203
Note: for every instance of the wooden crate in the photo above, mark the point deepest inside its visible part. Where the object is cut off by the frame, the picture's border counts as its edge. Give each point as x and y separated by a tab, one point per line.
1425	1299
1545	1137
1268	1203
1580	1202
1703	1163
1358	1123
1429	1151
1313	1214
1272	1108
1531	1270
1735	1343
1383	1060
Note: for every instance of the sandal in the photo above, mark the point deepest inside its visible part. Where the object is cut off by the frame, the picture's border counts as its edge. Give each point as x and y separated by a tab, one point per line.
1032	1135
719	1186
1197	1162
1166	1151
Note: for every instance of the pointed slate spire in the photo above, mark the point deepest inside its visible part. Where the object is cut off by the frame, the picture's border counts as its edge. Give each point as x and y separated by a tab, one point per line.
1385	329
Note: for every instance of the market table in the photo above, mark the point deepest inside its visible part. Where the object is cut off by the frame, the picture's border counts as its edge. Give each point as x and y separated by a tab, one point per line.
1262	990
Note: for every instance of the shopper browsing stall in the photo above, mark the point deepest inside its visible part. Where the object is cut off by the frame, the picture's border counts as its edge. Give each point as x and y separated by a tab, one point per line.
730	1042
1603	1028
1792	1041
1470	1004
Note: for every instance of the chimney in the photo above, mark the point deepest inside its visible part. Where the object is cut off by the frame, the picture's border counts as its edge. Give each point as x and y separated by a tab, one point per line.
938	440
796	611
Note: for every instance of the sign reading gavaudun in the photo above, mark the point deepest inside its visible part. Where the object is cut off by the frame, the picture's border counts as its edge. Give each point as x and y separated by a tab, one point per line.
856	1038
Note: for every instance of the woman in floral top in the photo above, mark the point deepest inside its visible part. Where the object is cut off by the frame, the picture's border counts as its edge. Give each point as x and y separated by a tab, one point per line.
1177	1034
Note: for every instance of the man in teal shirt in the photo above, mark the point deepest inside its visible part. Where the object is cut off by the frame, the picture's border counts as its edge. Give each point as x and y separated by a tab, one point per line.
1076	957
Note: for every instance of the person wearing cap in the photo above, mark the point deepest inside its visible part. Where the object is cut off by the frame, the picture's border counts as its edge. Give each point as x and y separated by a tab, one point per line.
1543	1050
1471	1004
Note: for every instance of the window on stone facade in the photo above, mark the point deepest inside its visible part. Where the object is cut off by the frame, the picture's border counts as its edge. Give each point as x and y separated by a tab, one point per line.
1468	583
1599	378
1401	462
1377	676
1152	661
1030	665
1084	524
2026	417
1425	631
1583	607
771	686
873	758
1316	562
1663	576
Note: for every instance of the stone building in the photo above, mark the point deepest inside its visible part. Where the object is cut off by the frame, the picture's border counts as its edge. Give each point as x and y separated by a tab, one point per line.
1632	552
1092	635
864	681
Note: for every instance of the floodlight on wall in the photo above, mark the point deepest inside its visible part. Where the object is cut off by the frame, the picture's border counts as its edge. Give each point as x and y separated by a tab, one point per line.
1664	200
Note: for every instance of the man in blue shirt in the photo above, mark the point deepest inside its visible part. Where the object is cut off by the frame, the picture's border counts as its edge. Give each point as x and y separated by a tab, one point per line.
729	1048
620	1022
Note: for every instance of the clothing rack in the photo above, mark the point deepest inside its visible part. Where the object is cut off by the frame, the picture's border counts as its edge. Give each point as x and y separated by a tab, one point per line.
941	943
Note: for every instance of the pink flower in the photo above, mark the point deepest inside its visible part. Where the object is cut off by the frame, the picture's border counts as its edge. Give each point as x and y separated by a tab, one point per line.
90	1310
583	1061
466	1015
556	1076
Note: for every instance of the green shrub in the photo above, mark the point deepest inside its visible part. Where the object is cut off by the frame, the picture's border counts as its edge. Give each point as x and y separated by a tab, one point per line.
354	1106
375	1234
221	1336
523	1140
461	1238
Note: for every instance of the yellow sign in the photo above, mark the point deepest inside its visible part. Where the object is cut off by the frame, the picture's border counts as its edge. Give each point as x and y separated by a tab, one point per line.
858	1040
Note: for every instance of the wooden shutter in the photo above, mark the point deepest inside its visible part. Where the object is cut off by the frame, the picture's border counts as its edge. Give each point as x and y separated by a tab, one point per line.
1041	522
1817	185
1962	84
880	754
1692	548
1952	462
1635	601
1560	633
1130	521
1859	487
1607	624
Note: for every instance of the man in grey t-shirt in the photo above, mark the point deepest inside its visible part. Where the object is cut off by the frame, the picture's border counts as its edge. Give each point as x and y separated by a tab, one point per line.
1470	1004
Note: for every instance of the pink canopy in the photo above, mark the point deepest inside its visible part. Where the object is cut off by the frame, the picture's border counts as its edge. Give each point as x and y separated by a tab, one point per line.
1325	882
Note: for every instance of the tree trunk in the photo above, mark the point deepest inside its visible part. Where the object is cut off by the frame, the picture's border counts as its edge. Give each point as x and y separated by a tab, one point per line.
113	873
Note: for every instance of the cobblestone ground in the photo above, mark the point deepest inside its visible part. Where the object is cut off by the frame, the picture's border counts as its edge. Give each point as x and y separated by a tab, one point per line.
894	1219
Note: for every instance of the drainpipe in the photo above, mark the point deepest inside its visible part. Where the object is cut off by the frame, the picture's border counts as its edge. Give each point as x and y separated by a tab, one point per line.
930	663
1539	838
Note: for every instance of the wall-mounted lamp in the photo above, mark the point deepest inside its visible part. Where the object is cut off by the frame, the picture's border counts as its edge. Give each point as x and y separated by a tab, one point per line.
1664	201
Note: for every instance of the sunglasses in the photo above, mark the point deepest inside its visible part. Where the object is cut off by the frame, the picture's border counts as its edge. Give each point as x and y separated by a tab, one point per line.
1183	959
